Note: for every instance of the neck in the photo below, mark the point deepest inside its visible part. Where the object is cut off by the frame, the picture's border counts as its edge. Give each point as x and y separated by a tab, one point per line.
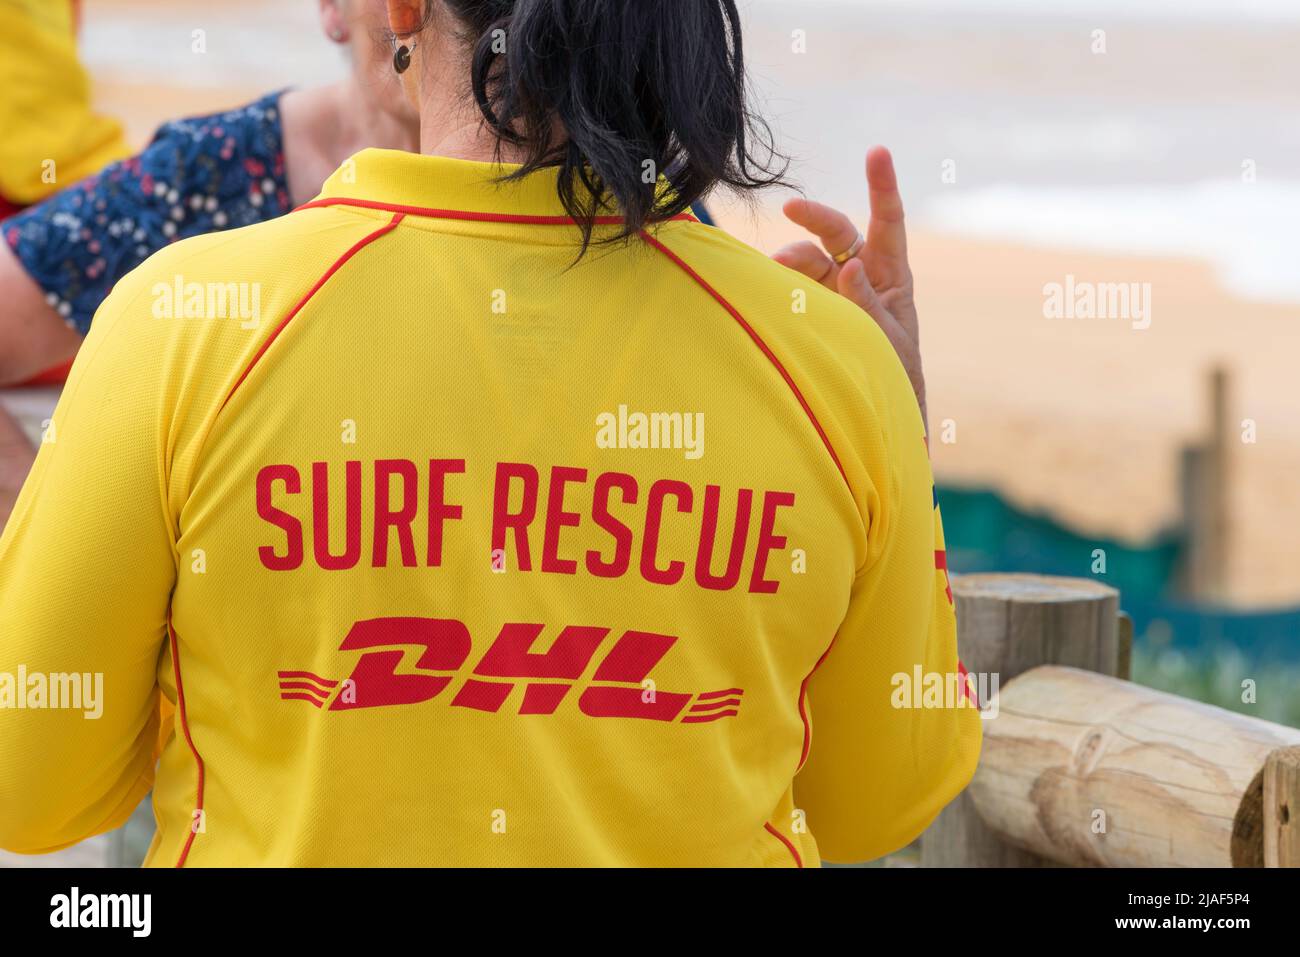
361	126
450	122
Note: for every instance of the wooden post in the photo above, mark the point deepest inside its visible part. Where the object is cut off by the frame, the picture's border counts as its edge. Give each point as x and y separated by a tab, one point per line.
1007	624
1124	667
1094	771
1204	480
1217	505
1282	808
1196	561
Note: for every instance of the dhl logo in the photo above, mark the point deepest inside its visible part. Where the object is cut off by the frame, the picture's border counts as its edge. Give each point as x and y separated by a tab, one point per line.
619	688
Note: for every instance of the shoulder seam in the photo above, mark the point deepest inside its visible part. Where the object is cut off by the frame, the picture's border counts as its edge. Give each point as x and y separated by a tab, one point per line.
334	267
758	341
307	297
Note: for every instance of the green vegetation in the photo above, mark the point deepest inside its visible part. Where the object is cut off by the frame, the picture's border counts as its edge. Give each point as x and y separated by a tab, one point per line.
1223	677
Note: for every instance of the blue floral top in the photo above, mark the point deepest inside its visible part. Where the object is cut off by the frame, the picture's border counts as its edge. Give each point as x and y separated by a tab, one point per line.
196	176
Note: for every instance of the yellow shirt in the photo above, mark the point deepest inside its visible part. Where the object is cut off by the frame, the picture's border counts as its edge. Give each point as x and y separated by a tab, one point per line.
50	137
472	555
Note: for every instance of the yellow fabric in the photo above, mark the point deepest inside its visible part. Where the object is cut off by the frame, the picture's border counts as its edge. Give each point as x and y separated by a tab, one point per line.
443	339
45	111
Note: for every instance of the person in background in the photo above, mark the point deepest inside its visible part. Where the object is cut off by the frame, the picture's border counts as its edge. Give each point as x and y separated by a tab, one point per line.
60	259
336	536
49	133
204	174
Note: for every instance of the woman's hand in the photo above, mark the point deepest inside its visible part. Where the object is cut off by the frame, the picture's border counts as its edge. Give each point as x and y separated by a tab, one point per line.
878	278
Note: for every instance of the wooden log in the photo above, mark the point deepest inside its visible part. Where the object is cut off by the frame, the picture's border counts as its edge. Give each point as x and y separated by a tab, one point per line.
1088	770
1007	624
1124	666
1282	808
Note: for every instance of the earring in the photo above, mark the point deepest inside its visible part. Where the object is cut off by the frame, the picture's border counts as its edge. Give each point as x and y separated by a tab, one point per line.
402	55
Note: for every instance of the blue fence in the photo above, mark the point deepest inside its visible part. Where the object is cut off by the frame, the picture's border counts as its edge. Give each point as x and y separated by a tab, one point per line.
986	533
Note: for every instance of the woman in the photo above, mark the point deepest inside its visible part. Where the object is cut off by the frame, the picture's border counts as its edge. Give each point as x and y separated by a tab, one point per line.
542	525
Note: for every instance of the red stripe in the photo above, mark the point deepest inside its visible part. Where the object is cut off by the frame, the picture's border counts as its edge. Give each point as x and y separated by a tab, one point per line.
720	694
758	341
53	376
700	718
965	684
338	264
466	215
941	564
302	697
304	686
713	705
323	682
786	841
185	729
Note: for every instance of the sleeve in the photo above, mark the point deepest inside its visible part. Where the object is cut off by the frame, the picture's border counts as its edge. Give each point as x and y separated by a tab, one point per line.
895	732
87	568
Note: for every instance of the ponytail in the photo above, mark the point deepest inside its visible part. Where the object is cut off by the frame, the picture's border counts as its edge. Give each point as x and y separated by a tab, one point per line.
640	88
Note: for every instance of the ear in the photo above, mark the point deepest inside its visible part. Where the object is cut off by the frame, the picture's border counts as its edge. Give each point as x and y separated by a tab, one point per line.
404	16
334	21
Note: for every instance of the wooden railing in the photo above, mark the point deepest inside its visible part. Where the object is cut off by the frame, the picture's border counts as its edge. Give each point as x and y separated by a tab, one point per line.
1081	767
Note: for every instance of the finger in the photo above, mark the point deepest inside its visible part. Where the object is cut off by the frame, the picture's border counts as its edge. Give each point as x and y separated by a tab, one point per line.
887	233
809	259
854	286
835	230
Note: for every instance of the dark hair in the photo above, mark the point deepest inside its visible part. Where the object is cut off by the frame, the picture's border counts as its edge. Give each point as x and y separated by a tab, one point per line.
632	82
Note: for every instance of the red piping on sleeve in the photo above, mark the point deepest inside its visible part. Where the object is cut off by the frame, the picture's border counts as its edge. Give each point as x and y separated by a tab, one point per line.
798	861
337	265
803	708
185	729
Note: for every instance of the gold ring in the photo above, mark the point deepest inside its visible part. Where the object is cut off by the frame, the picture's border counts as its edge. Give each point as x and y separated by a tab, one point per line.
852	251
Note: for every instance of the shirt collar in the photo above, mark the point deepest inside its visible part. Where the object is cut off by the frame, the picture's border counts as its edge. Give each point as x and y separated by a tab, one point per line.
413	182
